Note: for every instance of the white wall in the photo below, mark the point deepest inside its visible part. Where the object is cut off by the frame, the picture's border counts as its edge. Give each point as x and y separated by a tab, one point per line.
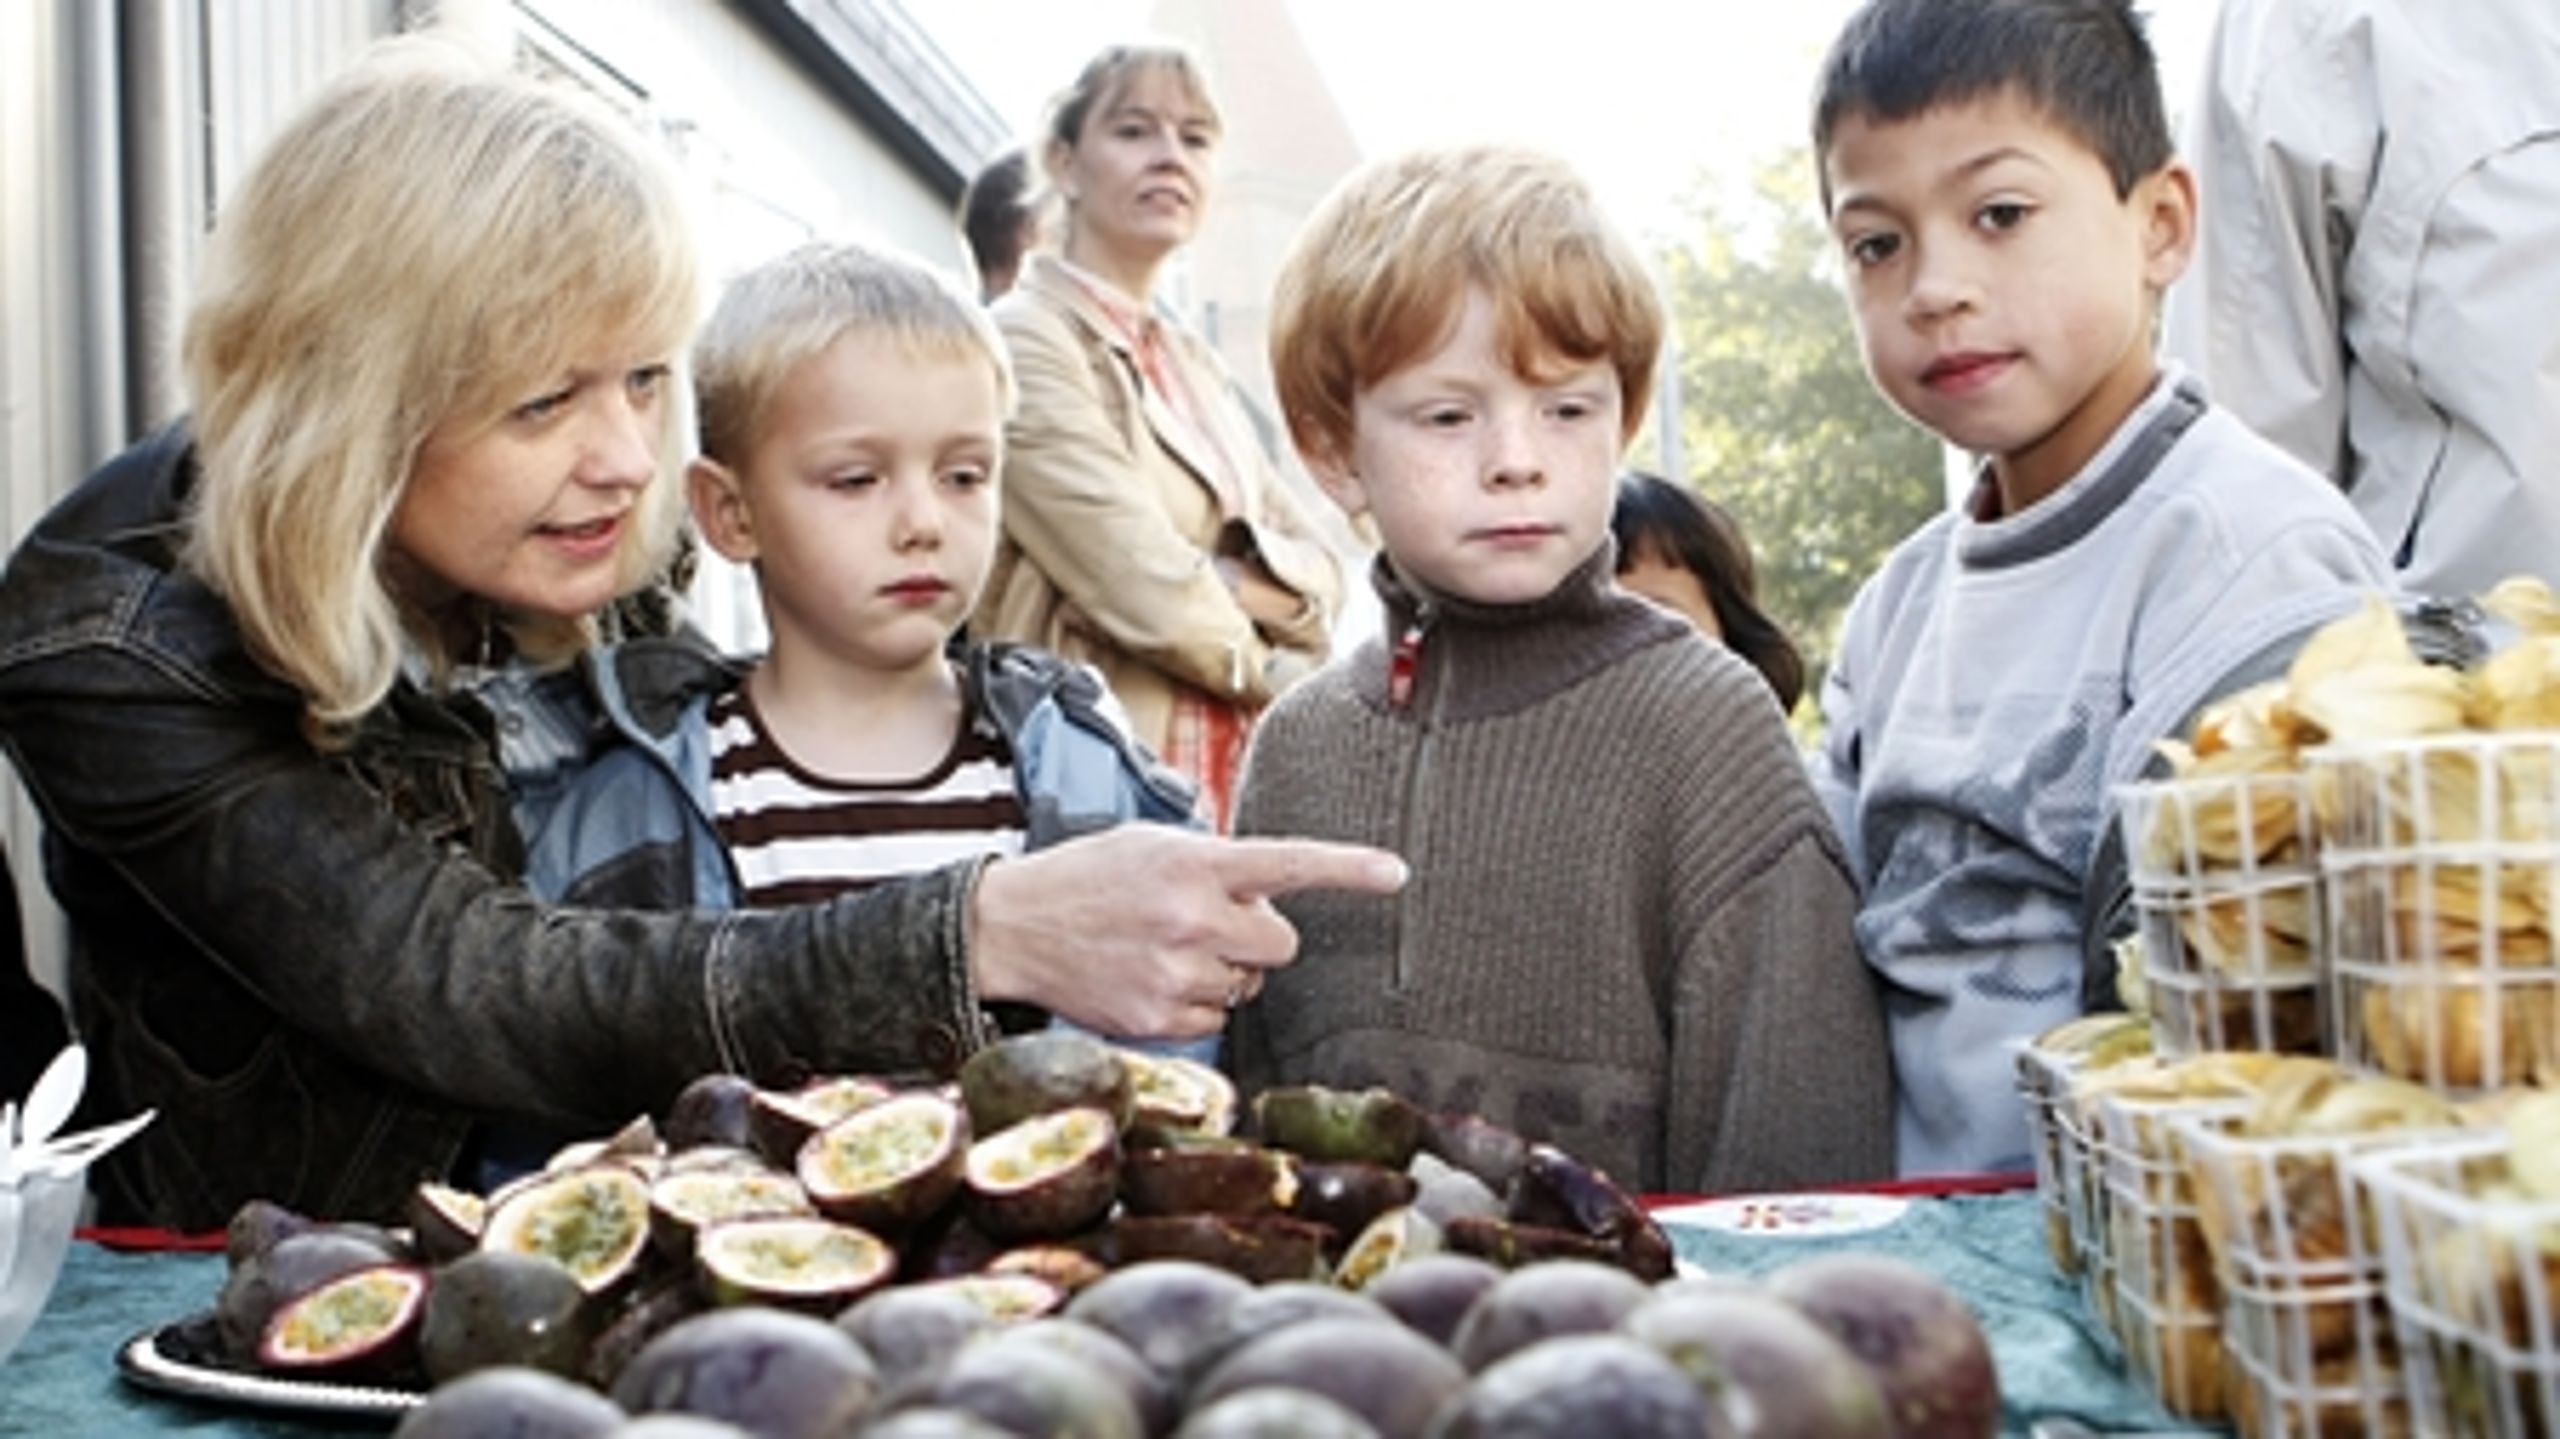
41	423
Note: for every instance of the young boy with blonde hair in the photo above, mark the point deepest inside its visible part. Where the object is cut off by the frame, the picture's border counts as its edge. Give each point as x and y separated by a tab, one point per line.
1627	931
852	406
2000	180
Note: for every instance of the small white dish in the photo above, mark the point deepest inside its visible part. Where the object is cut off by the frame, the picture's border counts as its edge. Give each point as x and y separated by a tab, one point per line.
1789	1216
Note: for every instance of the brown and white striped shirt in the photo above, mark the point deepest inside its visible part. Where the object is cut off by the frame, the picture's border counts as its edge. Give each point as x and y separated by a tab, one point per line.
798	836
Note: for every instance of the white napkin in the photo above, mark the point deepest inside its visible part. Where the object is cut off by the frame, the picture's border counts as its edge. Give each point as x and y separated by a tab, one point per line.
43	1184
29	1141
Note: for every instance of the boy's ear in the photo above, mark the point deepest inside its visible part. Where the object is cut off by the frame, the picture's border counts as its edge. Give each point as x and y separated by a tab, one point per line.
2168	200
1334	475
720	509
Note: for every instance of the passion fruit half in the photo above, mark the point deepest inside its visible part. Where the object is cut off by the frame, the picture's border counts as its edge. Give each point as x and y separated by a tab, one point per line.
1005	1297
887	1166
1393	1237
1051	1174
290	1267
445	1220
1172	1095
780	1121
593	1222
716	1158
1070	1266
635	1145
355	1327
682	1205
813	1265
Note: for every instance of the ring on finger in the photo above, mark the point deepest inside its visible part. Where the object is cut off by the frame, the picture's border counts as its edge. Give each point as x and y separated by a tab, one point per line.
1241	988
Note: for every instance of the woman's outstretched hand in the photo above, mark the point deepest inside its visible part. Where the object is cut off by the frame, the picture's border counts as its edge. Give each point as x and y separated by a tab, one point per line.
1148	930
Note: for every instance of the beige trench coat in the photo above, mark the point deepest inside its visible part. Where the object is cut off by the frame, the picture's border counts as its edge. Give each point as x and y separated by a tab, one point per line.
1112	528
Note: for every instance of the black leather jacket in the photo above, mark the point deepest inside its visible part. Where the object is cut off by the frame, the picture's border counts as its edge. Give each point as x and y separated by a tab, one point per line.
320	968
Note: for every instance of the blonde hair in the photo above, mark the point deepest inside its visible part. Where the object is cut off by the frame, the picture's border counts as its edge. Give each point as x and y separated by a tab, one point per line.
1109	74
1380	273
429	240
788	310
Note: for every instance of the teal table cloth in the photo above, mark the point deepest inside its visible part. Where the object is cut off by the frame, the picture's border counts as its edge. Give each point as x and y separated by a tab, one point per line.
62	1382
2053	1357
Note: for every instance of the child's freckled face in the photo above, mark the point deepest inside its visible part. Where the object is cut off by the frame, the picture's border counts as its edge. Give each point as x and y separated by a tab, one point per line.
2002	291
1485	484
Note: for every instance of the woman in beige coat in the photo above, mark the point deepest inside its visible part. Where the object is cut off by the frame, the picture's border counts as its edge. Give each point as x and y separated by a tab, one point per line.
1145	529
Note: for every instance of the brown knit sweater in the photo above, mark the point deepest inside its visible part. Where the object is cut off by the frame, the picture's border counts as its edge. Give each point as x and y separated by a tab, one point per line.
1628	928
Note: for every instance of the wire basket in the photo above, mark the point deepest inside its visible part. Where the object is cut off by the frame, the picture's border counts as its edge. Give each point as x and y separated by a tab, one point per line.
2049	1066
2307	1333
2044	1085
2168	1298
2226	889
2472	1279
2443	865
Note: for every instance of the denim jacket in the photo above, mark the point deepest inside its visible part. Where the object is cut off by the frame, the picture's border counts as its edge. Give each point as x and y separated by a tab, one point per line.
635	826
323	968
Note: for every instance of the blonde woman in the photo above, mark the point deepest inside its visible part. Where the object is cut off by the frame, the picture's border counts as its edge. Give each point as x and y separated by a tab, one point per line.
289	682
1145	529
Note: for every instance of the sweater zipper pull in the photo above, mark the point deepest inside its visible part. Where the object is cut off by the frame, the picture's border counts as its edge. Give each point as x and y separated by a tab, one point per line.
1403	663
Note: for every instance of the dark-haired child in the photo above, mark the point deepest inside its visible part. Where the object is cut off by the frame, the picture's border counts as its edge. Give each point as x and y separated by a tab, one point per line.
1999	178
1683	551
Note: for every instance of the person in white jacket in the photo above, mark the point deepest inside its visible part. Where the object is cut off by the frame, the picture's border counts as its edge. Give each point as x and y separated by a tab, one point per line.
2375	290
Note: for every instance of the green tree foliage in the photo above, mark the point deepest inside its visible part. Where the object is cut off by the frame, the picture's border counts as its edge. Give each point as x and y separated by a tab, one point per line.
1779	423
